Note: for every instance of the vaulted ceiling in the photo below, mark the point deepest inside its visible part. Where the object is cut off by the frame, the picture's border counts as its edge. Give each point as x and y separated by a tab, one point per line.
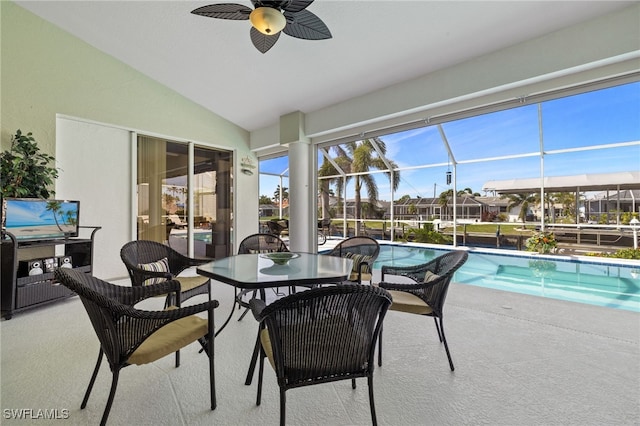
375	44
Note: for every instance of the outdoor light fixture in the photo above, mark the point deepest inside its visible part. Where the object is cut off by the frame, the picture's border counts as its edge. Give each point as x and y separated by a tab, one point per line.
247	166
267	20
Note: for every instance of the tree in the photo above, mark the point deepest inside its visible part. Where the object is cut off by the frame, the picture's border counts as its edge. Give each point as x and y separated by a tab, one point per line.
364	158
523	201
264	200
276	194
443	201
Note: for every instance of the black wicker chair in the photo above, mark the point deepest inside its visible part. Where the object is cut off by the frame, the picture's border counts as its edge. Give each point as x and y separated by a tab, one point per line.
262	243
146	264
364	251
258	243
427	295
278	227
130	336
321	335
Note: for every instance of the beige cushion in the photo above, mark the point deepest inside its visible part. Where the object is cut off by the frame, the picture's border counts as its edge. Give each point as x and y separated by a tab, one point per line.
189	283
170	339
430	276
357	260
265	340
407	302
353	276
161	265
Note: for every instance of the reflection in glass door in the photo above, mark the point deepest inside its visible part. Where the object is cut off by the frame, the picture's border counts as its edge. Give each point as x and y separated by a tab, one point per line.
168	201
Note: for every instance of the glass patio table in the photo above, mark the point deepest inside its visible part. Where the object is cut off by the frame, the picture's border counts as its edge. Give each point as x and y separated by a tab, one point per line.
250	272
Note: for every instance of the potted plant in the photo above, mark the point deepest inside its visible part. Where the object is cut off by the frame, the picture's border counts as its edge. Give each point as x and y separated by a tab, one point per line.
542	242
26	171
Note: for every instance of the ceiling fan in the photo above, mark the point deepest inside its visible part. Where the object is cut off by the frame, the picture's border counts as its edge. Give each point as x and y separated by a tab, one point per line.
269	18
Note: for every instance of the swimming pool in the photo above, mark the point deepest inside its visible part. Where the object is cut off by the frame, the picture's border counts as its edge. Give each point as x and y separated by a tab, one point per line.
596	283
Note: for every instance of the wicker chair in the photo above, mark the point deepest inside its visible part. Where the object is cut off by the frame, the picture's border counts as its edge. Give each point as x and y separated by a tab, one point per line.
130	336
321	335
258	243
364	251
427	295
150	262
278	227
262	243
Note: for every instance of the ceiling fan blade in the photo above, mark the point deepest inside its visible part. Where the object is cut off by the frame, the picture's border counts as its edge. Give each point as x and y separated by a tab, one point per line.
233	11
263	42
296	5
306	25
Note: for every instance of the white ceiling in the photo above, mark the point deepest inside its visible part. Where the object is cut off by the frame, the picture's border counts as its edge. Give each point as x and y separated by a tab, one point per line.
375	44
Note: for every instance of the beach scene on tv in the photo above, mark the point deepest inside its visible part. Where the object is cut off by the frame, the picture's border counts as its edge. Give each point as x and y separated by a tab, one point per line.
35	219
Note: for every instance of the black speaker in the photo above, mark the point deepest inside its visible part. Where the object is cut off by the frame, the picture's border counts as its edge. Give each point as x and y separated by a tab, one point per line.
50	264
30	267
65	262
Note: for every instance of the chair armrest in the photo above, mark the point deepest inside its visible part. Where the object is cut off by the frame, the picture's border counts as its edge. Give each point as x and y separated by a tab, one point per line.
145	323
416	286
141	274
415	273
257	306
159	289
197	262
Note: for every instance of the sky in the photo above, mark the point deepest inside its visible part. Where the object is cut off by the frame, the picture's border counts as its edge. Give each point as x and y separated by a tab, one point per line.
604	117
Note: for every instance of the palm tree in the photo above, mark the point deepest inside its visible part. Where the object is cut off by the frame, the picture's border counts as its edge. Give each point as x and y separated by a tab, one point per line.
364	158
443	201
285	194
327	169
56	208
523	201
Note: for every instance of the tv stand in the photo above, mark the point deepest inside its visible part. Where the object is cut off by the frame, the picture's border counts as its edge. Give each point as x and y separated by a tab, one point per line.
20	290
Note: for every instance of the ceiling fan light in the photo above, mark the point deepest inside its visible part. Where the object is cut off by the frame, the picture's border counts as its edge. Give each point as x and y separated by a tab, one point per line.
267	20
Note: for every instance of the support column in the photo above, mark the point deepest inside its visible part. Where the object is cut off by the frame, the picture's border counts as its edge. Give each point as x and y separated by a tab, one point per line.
302	185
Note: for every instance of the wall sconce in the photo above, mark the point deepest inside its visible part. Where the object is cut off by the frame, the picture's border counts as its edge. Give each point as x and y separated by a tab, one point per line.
247	166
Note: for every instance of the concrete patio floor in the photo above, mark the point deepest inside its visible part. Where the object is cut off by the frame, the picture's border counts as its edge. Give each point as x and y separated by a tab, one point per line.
520	360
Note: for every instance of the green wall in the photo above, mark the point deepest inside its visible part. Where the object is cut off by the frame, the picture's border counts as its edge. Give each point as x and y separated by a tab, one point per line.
46	71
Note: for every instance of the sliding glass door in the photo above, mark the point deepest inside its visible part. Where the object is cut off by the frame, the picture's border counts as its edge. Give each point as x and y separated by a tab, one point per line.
184	198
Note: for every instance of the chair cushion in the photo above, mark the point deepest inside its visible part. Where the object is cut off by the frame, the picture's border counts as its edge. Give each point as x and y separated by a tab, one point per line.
169	339
357	260
161	265
430	276
189	283
407	302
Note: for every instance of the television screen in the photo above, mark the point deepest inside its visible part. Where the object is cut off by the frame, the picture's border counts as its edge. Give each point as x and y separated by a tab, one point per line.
37	219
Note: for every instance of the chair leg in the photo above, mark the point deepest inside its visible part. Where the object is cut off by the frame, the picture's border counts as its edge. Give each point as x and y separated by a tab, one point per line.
260	376
283	406
254	359
112	393
212	371
380	347
92	381
353	383
372	404
446	347
435	320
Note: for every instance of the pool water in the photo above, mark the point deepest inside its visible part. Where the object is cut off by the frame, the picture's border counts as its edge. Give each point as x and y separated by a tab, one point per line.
610	285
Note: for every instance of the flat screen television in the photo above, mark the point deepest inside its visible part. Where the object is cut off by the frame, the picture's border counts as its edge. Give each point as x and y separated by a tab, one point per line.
30	219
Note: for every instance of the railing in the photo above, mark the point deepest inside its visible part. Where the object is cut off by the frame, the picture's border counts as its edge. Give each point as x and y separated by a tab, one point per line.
495	234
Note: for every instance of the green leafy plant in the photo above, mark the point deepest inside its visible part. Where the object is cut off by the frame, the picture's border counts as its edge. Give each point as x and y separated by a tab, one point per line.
26	171
626	253
428	235
542	242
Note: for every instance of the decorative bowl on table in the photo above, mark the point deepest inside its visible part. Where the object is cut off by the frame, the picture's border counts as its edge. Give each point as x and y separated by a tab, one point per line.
280	258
